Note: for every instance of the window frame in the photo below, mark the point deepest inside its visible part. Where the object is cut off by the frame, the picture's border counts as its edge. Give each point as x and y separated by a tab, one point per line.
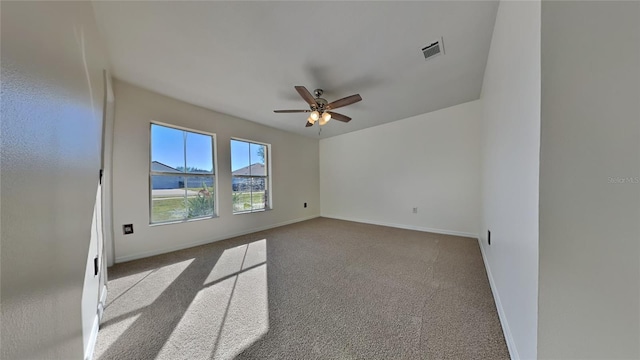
268	178
214	158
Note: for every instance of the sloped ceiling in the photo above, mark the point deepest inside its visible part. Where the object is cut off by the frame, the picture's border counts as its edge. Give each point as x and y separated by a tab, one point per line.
244	58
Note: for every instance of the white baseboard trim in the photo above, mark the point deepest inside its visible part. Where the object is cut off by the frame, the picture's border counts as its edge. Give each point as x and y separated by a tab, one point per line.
209	240
407	227
91	346
513	351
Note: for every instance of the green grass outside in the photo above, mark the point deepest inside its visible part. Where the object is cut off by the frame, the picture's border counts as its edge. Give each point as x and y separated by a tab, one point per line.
168	209
242	200
173	209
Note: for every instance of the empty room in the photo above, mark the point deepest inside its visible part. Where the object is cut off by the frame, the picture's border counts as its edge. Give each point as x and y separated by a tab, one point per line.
320	180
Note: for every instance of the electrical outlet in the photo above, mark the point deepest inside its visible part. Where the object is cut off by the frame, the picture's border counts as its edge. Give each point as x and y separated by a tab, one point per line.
127	229
415	210
305	204
489	236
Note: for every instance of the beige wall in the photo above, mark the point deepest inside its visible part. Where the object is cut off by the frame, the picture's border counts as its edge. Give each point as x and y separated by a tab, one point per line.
294	174
510	161
52	96
430	161
590	181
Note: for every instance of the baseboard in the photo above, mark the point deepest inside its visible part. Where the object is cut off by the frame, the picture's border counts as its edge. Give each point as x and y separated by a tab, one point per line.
407	227
88	355
209	240
513	351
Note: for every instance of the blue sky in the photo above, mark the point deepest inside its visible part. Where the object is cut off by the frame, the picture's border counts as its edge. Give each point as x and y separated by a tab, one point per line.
167	147
243	154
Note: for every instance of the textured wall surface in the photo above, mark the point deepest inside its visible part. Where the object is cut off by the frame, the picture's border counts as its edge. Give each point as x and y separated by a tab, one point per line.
590	181
52	66
510	162
430	161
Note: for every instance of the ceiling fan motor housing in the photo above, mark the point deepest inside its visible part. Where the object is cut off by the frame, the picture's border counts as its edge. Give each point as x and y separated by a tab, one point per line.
322	103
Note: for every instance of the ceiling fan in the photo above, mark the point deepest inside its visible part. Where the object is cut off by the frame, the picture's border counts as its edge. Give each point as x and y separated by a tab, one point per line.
320	109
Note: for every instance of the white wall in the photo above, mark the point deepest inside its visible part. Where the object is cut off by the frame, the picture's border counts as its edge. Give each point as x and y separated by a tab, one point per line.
294	174
52	91
430	161
510	169
589	223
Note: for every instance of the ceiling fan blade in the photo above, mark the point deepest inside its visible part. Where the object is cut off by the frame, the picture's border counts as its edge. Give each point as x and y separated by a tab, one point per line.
290	111
308	124
344	101
306	95
339	117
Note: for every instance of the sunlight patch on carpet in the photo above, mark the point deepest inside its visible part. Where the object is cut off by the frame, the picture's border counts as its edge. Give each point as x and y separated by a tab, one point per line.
230	312
133	293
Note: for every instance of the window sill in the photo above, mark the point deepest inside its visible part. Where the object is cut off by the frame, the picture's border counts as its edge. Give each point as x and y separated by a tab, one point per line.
251	212
183	221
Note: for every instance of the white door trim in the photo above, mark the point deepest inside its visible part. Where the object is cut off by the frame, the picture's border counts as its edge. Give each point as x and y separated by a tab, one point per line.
107	166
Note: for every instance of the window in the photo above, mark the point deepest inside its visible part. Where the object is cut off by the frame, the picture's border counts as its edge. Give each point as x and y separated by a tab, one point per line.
182	175
250	176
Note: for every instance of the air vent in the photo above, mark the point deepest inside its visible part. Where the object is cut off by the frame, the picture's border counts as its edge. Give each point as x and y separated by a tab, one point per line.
433	49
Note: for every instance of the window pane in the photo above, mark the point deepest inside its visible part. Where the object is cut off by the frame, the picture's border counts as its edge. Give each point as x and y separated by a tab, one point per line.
200	196
167	149
199	153
241	194
249	176
239	157
167	198
258	159
257	193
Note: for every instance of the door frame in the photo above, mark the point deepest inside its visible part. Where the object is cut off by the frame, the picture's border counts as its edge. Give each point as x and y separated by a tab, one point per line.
107	166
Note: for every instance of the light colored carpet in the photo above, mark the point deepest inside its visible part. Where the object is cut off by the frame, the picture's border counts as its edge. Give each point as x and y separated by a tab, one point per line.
319	289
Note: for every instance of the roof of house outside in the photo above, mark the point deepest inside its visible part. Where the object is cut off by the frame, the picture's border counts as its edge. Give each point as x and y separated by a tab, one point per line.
256	169
158	166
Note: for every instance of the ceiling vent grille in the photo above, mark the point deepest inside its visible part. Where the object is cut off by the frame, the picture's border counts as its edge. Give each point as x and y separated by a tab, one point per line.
433	49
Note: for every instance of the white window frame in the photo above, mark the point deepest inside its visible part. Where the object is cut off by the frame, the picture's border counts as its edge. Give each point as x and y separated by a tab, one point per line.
214	175
269	177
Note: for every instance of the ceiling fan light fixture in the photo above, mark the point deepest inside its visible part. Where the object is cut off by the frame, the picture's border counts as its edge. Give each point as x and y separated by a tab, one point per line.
318	104
325	118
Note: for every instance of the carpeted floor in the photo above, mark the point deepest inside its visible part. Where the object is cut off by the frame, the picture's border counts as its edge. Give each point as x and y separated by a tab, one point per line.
319	289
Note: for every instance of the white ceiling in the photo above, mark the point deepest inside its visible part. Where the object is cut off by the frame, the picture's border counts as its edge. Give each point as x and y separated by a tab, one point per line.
244	58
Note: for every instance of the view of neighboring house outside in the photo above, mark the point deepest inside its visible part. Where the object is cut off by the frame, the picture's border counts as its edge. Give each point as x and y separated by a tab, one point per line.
185	190
179	181
249	176
249	191
241	183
